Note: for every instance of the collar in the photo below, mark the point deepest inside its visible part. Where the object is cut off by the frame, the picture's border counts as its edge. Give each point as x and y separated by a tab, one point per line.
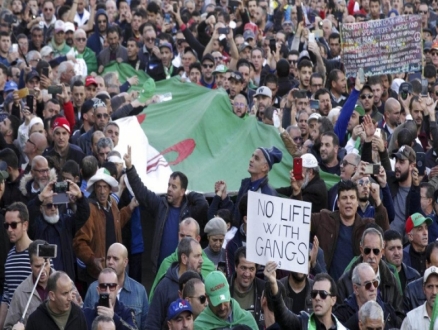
108	208
337	100
378	274
127	283
425	315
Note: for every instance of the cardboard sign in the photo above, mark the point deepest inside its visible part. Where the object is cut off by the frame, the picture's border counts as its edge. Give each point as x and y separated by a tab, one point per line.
278	229
391	45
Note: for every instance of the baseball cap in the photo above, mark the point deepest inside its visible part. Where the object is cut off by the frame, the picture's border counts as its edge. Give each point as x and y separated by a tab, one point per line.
304	55
46	51
431	270
427	45
220	69
406	87
243	46
207	57
69	26
10	86
236	75
3	171
177	307
59	26
217	288
314	116
415	220
166	45
405	152
248	34
31	75
90	80
61	122
263	90
251	27
359	109
188	49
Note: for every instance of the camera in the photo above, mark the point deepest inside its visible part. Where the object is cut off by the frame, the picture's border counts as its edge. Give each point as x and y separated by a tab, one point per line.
60	187
10	19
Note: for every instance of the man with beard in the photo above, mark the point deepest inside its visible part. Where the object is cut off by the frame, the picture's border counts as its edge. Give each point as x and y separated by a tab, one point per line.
391	117
337	84
236	84
311	187
329	153
414	255
40	175
114	51
405	187
96	40
165	69
263	98
377	88
325	104
240	107
207	79
367	101
91	242
416	109
189	259
298	287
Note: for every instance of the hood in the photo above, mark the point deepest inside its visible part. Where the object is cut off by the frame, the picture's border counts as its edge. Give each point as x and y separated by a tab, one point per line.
26	179
100	12
171	273
282	68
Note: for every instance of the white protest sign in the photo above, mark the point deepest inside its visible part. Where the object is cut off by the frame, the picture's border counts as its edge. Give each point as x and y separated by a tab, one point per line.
278	229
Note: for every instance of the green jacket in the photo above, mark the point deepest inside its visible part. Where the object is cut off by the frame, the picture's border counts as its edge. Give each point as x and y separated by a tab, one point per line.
208	320
59	50
207	267
90	59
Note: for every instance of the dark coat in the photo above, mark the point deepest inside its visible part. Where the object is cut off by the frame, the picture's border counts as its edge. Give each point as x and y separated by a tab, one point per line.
194	205
124	317
74	153
41	318
84	142
232	246
388	288
414	295
289	300
93	41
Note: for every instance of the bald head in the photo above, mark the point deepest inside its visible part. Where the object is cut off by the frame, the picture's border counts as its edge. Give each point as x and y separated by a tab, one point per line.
392	112
117	259
391	104
40	142
39	161
189	227
119	249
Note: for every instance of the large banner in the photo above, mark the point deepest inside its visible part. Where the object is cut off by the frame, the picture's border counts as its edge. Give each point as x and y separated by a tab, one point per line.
278	229
390	45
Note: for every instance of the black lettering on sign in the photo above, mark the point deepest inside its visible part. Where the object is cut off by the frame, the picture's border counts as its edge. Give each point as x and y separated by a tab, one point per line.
266	209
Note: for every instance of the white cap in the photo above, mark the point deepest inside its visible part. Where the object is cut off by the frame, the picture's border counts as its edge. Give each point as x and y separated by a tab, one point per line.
59	26
69	26
309	161
46	51
314	116
263	91
431	270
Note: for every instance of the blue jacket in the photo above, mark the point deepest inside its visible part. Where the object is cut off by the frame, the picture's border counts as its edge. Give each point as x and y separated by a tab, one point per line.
344	116
133	296
387	203
235	243
94	40
413	296
433	228
123	316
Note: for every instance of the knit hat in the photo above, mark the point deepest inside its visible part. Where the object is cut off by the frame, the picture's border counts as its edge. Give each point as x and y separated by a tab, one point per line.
272	155
216	226
358	108
61	122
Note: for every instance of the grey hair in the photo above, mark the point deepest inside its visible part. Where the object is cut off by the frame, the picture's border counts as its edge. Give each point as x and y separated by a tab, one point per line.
63	67
109	77
299	114
370	311
185	247
80	31
372	231
104	143
355	278
356	159
31	54
114	153
189	221
103	319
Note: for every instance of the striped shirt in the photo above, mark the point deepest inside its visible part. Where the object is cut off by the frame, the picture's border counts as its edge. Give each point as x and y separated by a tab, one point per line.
17	269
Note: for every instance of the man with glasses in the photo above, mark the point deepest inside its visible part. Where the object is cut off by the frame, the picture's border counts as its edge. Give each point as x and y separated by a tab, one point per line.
194	293
367	101
97	39
365	286
207	79
82	51
371	251
236	84
316	82
35	145
58	43
123	317
40	175
323	296
149	53
292	58
17	266
414	255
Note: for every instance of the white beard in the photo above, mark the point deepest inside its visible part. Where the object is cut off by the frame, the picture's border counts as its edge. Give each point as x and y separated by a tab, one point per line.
52	219
306	181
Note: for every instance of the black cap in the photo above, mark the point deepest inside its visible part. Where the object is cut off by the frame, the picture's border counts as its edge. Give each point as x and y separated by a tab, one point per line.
31	75
207	57
236	75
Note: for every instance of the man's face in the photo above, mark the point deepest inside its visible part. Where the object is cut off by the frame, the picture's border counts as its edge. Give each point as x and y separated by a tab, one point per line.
353	122
207	69
257	59
367	277
175	192
33	83
36	264
264	102
68	73
195	75
408	11
295	134
374	9
112	132
340	85
335	47
325	104
166	56
62	296
149	37
327	150
101	117
113	40
80	42
195	301
59	37
302	123
132	49
5	43
394	252
102	154
245	72
80	6
78	95
17	7
194	260
424	12
100	84
102	190
417	113
90	91
402	169
60	138
326	28
304	75
239	106
315	84
393	117
37	38
108	278
273	87
245	274
51	110
102	23
347	167
135	23
252	6
426	203
116	260
347	203
419	235
183	321
302	103
258	163
322	307
235	87
363	187
187	59
371	250
41	173
20	228
222	311
430	289
188	230
367	99
5	127
219	79
293	60
48	11
377	92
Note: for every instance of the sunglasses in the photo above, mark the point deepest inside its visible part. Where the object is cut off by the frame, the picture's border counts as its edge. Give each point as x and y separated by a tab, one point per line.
202	299
28	140
434	54
81	39
422	12
104	286
367	251
104	115
345	163
298	138
149	39
322	293
239	104
208	66
366	96
367	285
49	206
293	62
13	225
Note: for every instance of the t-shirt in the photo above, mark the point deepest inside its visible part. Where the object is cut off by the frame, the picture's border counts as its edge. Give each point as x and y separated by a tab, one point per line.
17	269
169	242
299	300
60	319
400	209
246	299
343	252
215	257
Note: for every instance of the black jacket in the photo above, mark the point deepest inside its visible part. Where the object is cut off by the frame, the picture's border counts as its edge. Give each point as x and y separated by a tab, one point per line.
74	153
41	319
289	300
259	286
194	205
414	295
410	274
84	142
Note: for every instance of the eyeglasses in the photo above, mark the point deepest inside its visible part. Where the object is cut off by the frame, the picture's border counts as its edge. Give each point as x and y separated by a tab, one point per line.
50	206
28	140
322	293
13	225
366	96
235	76
99	22
434	54
111	286
424	12
218	58
100	115
208	66
239	104
345	163
81	39
202	299
317	85
367	251
367	285
287	24
298	138
293	62
362	183
46	170
150	39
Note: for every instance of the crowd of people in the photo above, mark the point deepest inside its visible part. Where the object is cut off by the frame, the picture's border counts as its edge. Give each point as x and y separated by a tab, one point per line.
75	212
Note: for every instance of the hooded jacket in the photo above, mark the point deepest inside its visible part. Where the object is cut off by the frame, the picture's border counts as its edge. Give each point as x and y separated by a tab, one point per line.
94	40
165	292
208	320
27	181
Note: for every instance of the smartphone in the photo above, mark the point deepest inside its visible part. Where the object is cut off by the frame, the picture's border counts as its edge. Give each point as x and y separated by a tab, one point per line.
167	18
372	169
103	300
361	76
314	104
421	162
224	30
14	48
60	189
45	72
47	250
298	169
378	132
360	120
233	4
29	102
222	266
175	8
54	90
424	88
157	42
297	95
311	37
273	45
22	93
